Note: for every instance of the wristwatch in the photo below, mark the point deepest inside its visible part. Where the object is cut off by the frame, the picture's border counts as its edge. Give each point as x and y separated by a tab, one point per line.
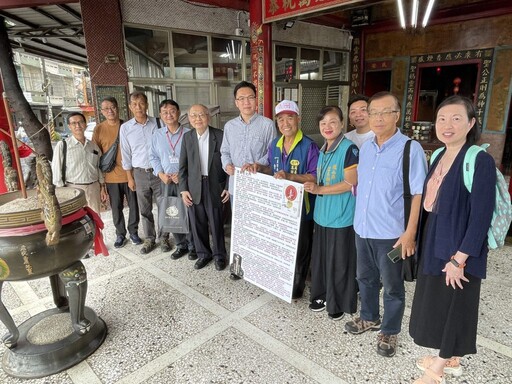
456	263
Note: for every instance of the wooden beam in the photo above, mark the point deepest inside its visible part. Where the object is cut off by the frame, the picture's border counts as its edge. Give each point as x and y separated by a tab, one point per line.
6	4
50	55
56	47
18	20
73	42
48	15
71	11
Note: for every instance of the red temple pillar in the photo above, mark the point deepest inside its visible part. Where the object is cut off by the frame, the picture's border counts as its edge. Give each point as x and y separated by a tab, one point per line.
104	41
261	57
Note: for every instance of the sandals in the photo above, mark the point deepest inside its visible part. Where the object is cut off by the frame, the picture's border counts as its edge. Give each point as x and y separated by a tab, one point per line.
430	374
452	366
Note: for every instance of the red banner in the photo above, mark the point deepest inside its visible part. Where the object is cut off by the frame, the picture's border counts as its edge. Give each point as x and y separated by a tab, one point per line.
274	10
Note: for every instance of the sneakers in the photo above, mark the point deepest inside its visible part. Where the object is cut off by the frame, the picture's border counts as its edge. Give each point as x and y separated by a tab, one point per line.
336	316
147	247
135	239
386	345
452	366
120	239
165	245
358	326
317	305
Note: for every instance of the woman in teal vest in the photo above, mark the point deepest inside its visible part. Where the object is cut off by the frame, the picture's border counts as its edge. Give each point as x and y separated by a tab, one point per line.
333	265
294	157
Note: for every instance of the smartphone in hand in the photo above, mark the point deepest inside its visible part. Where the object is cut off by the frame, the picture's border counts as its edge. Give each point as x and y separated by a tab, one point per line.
395	254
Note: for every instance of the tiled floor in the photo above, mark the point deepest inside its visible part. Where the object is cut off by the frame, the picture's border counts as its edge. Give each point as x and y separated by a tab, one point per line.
169	323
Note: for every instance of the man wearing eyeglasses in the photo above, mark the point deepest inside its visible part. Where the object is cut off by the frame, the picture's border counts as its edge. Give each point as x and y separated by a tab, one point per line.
246	137
379	221
105	135
135	139
202	185
81	163
165	159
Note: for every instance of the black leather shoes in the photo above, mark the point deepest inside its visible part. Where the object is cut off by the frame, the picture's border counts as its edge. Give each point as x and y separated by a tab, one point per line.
192	255
202	262
220	265
178	253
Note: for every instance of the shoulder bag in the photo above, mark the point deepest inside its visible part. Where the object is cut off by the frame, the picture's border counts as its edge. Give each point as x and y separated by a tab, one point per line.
410	264
108	159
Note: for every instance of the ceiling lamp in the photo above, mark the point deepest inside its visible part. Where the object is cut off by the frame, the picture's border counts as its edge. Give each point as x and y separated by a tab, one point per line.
414	13
430	6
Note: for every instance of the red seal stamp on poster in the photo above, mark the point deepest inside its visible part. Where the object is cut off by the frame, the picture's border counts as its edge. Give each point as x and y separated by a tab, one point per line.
290	193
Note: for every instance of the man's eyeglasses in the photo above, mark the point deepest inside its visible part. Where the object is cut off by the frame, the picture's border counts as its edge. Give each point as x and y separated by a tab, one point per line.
197	115
168	113
76	123
108	109
241	99
383	114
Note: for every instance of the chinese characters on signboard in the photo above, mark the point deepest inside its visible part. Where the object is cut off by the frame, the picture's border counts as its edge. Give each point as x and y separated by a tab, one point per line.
355	82
274	10
483	56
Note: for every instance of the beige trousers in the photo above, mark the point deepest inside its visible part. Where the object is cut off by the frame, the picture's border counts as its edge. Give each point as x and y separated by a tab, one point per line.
92	195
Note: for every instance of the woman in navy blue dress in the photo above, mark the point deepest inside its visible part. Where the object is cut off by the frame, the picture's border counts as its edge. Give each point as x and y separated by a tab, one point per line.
452	245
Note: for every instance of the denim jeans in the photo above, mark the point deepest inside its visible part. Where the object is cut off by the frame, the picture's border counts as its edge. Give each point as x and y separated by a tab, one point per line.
374	266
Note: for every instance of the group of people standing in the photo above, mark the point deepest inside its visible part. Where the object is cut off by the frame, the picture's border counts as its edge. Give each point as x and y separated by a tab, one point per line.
353	213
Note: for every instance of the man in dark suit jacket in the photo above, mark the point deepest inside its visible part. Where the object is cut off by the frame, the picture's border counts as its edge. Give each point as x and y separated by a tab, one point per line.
202	183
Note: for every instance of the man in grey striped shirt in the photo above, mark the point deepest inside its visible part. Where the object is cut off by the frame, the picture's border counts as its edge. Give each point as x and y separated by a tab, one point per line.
82	161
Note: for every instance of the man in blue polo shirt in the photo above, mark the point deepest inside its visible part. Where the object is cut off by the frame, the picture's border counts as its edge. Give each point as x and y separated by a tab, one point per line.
165	161
379	221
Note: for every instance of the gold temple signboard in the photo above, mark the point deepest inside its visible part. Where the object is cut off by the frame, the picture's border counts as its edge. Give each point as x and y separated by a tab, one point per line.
274	10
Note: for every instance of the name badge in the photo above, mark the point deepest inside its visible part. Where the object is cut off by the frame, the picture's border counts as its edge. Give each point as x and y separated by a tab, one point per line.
174	160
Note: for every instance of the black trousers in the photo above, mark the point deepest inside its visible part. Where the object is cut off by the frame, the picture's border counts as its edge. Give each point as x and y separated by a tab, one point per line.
303	256
117	192
204	216
183	241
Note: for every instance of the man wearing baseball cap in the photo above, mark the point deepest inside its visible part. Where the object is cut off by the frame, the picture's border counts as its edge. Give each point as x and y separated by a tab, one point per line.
294	157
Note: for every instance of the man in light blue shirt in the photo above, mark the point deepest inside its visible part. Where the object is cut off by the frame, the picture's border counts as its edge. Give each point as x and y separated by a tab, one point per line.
165	161
135	138
246	137
379	221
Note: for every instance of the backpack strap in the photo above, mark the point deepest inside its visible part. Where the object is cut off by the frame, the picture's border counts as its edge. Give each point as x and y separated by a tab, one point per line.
469	164
407	187
64	151
434	155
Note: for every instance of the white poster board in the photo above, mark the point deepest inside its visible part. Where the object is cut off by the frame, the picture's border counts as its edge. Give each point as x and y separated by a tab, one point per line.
265	231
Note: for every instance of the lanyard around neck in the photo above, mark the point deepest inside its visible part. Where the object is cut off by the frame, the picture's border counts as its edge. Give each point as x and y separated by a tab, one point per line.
173	147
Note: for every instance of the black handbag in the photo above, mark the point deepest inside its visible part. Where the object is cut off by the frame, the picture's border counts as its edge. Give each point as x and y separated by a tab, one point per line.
410	264
108	159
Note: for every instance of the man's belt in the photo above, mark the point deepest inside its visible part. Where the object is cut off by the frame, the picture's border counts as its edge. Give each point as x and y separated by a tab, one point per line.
69	182
147	170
